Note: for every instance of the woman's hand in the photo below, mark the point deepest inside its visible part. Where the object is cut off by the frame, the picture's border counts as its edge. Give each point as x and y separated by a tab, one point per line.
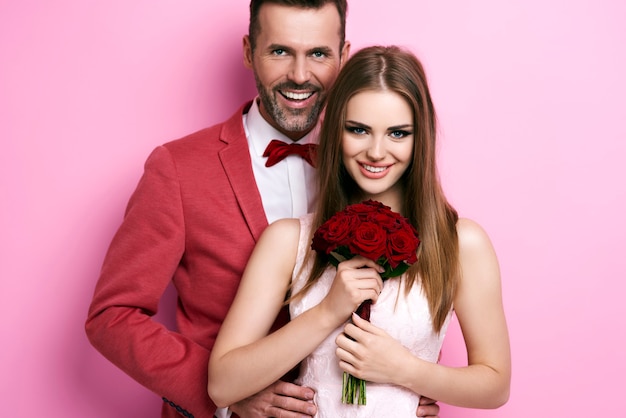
357	280
369	353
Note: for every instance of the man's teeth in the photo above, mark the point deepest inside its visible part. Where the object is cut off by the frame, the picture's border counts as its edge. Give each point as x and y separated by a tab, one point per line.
374	169
297	96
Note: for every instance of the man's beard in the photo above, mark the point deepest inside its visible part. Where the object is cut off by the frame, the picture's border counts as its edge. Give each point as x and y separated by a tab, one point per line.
290	120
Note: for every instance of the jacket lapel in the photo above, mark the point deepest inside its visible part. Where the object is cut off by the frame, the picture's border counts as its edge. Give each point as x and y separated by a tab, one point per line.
235	158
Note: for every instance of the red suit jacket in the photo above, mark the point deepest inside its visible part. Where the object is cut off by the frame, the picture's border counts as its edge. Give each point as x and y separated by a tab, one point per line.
194	220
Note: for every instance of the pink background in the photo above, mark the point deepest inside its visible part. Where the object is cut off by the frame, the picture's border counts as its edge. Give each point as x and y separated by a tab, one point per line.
531	103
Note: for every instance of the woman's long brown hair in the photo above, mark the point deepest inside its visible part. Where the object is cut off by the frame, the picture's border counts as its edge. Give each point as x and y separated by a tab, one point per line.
393	69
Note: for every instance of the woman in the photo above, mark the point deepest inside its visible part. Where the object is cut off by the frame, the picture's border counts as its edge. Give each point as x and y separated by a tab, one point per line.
378	142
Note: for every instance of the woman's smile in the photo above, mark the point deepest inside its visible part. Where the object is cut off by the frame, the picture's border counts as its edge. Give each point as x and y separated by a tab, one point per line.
373	171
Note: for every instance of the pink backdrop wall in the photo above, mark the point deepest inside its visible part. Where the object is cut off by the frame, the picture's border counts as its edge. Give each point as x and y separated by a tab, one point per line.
531	103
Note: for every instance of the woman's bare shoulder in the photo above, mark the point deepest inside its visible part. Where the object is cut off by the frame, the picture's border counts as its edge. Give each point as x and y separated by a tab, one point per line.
286	226
479	262
283	235
471	235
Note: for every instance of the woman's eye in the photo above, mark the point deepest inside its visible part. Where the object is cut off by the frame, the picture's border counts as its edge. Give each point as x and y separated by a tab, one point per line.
356	130
399	134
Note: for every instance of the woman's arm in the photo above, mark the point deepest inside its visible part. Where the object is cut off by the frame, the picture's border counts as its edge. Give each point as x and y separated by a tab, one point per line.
245	359
485	382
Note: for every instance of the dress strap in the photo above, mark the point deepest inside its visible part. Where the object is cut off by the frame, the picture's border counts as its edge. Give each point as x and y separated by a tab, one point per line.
300	273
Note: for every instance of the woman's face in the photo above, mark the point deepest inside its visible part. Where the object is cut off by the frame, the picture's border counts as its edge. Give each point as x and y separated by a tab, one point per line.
377	143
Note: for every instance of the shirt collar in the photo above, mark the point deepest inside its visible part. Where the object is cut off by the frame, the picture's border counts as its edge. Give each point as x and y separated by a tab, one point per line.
260	132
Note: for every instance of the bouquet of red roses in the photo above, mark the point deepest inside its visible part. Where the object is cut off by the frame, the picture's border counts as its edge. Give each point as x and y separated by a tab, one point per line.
372	230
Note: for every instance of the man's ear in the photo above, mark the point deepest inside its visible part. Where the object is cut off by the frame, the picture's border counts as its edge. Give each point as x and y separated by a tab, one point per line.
345	52
247	52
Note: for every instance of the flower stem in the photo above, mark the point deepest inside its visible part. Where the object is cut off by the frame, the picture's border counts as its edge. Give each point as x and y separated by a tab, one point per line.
353	390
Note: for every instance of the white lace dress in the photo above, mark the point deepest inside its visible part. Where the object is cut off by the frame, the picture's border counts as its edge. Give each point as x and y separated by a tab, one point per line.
406	319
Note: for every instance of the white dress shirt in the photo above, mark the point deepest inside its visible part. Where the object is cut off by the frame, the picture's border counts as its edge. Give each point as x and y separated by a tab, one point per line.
288	188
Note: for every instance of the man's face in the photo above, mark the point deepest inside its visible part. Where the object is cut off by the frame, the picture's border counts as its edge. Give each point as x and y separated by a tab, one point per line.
296	60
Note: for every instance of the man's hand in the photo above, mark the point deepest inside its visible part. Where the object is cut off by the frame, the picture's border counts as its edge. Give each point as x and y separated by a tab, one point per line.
281	400
427	408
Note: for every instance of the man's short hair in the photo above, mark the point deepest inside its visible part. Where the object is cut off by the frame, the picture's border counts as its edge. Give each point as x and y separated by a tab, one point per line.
255	5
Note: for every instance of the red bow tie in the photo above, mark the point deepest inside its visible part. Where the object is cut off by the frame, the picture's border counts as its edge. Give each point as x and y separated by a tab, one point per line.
277	151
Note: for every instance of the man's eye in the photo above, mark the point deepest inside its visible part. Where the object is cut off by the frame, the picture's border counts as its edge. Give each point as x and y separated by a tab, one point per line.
279	52
319	54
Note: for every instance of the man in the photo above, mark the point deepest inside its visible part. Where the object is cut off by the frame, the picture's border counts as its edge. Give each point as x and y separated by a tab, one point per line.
202	203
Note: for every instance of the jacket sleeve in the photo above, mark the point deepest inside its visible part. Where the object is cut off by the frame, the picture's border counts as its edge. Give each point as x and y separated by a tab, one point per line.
141	261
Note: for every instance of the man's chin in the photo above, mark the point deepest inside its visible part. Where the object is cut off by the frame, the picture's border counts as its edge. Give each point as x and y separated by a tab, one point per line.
297	127
299	122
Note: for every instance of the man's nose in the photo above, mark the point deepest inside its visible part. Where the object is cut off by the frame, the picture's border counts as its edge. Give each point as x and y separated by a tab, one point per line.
299	72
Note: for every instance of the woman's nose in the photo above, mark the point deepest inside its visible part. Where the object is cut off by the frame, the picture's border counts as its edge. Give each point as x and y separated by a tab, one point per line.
377	149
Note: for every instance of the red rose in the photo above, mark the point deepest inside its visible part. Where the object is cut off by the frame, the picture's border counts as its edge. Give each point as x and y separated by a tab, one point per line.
402	247
386	219
370	241
335	232
363	209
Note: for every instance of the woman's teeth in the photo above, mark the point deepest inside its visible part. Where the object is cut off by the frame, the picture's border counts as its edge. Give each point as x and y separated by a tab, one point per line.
374	169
